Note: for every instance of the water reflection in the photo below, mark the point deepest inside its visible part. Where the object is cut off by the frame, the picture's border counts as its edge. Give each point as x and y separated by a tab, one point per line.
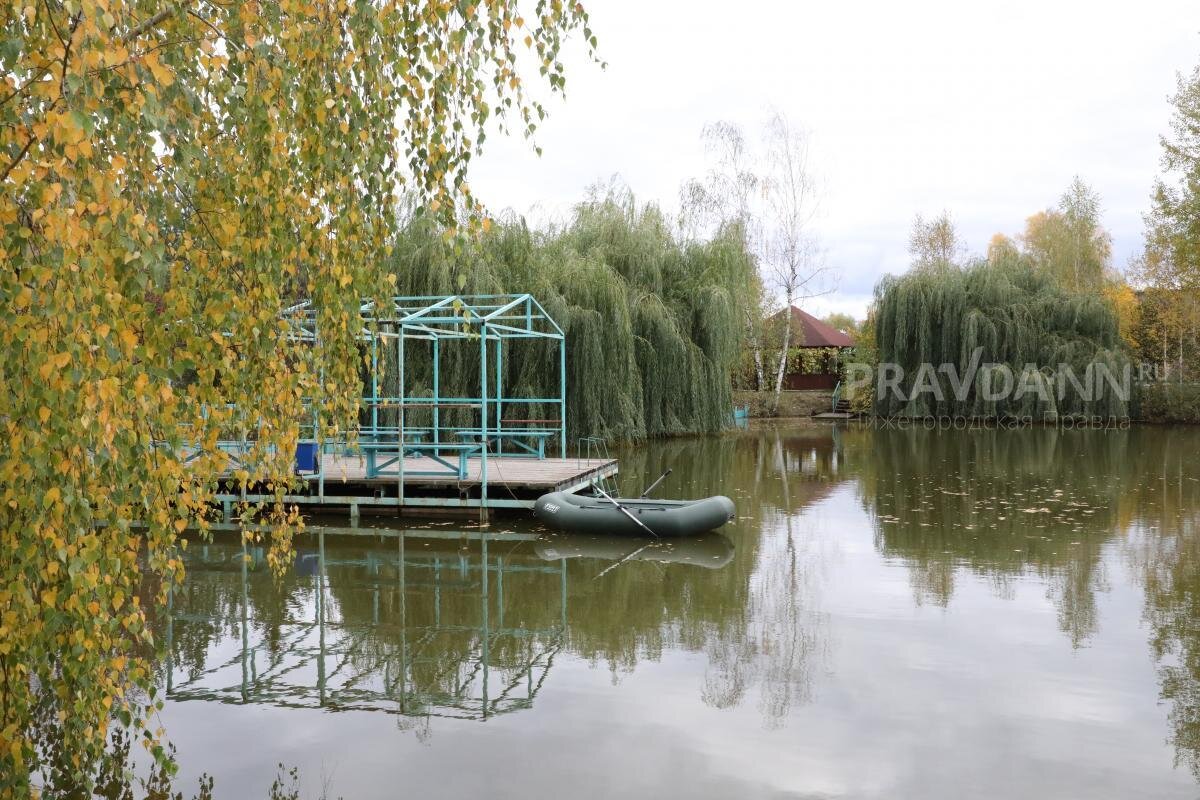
772	636
423	626
417	625
462	624
758	620
710	551
1164	550
1053	505
1013	504
1003	504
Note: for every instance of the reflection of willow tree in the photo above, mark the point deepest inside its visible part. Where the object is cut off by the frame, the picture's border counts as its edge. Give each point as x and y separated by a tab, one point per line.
1164	548
1002	503
755	620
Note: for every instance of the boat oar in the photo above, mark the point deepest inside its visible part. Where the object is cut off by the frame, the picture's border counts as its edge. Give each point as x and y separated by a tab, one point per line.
624	511
611	567
661	478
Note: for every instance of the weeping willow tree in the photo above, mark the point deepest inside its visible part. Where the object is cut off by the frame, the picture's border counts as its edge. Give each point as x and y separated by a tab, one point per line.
997	339
653	325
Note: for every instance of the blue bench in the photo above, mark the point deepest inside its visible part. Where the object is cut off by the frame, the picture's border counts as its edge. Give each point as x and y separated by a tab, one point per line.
383	458
514	436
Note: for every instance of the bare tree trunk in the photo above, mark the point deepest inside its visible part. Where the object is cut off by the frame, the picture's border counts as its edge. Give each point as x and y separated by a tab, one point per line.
756	349
1191	339
787	340
1166	364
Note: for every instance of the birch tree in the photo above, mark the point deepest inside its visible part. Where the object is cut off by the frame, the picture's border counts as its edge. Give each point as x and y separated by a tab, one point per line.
171	175
769	197
790	250
726	201
935	243
1069	241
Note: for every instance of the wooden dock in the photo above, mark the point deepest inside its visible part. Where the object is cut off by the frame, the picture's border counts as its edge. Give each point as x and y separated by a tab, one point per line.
512	483
547	474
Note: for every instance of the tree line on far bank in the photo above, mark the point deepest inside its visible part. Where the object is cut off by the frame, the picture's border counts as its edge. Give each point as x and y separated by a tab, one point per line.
665	315
1052	294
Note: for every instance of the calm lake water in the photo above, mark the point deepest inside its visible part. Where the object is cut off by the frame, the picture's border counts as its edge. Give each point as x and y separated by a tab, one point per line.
894	614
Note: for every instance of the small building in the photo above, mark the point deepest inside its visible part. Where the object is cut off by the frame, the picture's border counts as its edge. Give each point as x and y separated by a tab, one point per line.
825	342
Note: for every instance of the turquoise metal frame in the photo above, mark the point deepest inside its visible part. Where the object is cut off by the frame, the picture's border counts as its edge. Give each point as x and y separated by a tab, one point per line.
492	320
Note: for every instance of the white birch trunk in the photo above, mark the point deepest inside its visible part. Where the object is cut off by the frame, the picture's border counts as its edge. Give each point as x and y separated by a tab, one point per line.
787	340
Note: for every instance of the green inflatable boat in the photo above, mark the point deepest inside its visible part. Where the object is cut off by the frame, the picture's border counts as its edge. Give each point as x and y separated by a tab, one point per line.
598	515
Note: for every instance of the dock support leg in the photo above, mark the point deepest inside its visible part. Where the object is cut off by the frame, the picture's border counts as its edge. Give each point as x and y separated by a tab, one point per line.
227	511
354	515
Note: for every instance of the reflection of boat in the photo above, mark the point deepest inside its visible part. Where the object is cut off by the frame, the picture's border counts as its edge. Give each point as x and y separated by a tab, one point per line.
710	550
573	512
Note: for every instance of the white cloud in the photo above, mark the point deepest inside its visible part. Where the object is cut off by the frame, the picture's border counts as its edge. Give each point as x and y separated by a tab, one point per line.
984	110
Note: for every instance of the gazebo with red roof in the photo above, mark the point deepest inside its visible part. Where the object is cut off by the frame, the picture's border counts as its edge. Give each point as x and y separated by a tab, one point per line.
808	332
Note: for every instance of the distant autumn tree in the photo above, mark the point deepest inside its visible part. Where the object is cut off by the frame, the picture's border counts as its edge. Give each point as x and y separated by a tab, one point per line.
1124	302
1069	244
1174	218
1170	264
1002	249
842	322
1170	315
934	243
172	174
1069	241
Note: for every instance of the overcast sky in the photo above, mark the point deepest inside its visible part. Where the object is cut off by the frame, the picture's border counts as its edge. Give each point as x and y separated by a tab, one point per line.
984	110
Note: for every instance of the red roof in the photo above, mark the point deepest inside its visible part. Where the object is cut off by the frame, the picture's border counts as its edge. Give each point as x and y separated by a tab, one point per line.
811	332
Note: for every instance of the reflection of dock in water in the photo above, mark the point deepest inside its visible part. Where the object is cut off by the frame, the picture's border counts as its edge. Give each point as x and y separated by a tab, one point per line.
439	646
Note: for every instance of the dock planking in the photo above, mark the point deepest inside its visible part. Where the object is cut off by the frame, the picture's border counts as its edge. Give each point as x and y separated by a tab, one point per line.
549	474
512	482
